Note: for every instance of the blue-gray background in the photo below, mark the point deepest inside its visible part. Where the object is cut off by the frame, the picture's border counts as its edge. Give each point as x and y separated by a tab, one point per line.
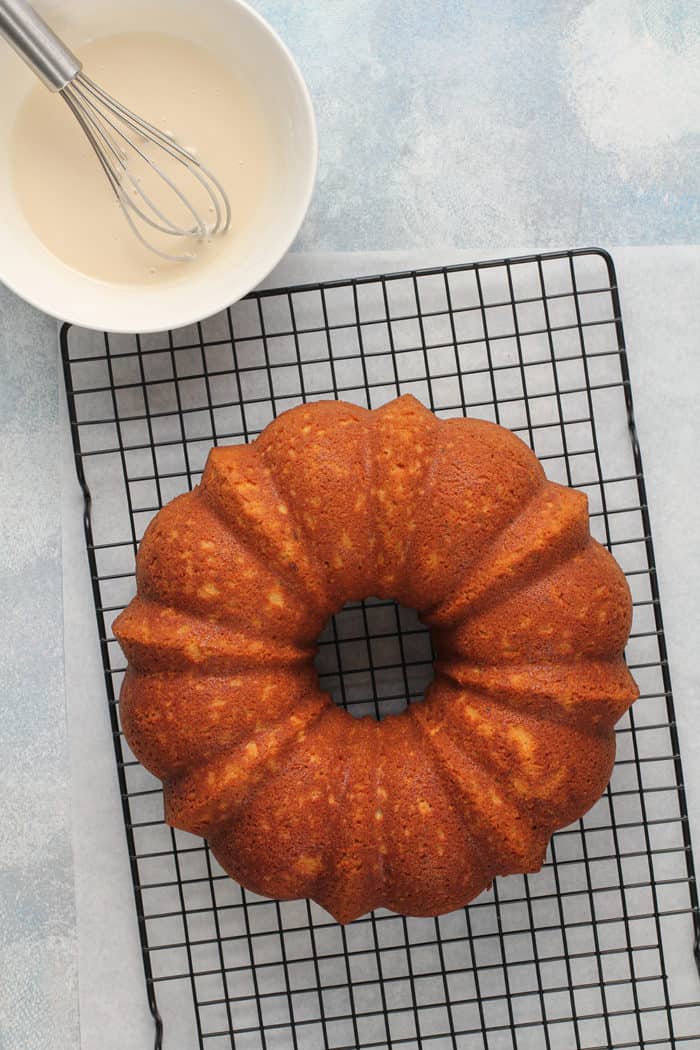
537	123
522	124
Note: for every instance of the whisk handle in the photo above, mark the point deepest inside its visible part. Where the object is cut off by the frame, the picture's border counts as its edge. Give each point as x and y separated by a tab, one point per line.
27	32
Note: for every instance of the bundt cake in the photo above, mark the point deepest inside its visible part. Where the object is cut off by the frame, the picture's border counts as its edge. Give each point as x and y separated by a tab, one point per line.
529	618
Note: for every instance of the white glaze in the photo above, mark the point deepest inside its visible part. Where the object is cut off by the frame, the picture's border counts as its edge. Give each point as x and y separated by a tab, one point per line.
181	89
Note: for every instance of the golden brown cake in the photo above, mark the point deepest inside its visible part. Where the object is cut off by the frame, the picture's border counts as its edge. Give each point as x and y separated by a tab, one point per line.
529	617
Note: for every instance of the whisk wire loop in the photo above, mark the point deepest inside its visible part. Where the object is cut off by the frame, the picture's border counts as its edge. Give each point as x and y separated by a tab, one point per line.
113	132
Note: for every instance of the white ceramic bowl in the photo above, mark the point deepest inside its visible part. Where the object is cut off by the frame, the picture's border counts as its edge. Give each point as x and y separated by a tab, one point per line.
242	39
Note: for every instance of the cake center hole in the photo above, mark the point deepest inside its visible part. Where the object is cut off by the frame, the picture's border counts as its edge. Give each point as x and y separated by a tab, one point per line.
375	658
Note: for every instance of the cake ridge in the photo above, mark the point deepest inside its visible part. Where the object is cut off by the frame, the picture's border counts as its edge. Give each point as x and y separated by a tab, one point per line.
263	828
495	590
517	755
288	654
561	660
480	475
290	577
552	718
469	568
330	890
282	755
378	428
151	706
449	783
309	484
581	608
428	476
520	853
428	847
569	712
202	507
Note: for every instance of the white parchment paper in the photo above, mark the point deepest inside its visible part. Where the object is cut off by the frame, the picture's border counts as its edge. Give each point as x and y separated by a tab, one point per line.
661	312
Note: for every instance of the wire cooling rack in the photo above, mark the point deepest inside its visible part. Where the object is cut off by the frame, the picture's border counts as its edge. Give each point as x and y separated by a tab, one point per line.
595	951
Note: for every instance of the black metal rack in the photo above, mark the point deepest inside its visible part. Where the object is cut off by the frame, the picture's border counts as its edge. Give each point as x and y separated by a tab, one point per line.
592	952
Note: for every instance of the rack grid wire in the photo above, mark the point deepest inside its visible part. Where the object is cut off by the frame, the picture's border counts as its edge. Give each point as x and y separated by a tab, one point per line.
596	950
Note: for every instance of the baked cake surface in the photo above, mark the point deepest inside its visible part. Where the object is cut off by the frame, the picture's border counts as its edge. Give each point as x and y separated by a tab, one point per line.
529	617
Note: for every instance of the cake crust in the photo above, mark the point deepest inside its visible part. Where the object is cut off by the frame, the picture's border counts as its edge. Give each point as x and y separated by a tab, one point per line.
528	614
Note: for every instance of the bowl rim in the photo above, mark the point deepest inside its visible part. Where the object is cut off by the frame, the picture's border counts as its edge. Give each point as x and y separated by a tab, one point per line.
86	313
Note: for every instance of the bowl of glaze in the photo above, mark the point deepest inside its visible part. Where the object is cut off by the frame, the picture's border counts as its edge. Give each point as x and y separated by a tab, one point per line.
241	40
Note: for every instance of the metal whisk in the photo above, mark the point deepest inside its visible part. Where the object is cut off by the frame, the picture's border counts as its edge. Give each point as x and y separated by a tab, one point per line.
118	137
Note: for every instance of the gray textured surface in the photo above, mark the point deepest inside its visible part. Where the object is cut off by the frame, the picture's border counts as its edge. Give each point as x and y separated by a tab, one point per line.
37	907
519	125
